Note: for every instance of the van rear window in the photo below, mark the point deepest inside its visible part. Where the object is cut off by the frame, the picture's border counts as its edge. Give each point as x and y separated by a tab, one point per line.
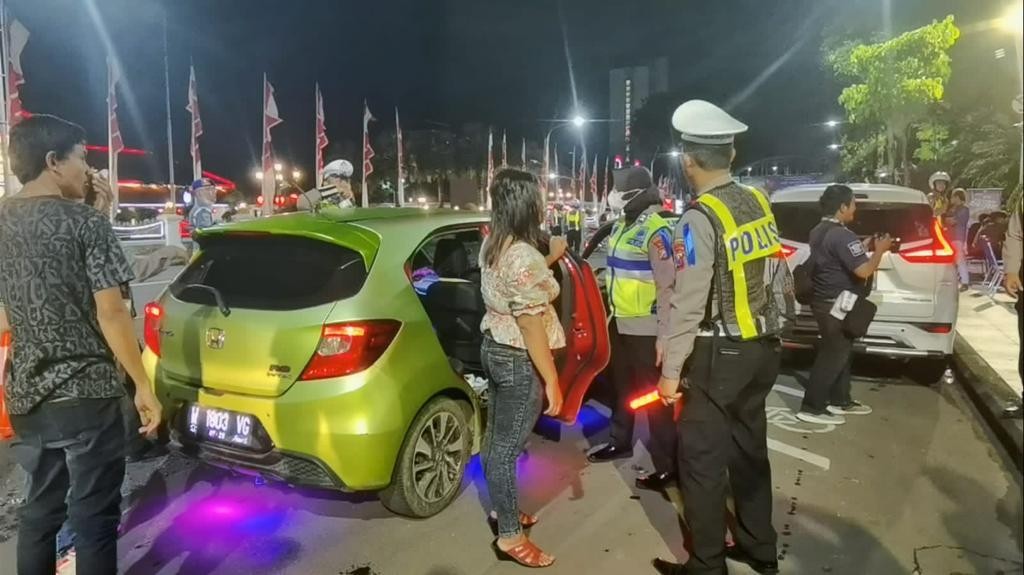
271	272
909	222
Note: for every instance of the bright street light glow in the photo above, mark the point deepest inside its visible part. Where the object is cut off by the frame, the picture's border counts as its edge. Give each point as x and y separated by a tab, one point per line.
834	146
552	176
296	174
674	153
1013	20
578	121
280	177
258	174
278	167
421	200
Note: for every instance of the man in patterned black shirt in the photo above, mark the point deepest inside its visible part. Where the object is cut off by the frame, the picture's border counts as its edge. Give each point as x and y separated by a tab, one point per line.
61	268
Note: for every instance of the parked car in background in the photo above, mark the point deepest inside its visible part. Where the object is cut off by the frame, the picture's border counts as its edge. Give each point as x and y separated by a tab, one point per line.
295	347
915	287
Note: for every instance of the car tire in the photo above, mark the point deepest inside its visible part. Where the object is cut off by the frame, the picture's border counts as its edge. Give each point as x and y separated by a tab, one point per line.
432	463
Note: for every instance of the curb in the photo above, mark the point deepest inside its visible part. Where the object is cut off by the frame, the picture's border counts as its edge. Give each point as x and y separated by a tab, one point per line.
989	394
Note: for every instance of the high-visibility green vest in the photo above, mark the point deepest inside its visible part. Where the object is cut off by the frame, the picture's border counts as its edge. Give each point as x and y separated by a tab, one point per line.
573	219
749	233
632	291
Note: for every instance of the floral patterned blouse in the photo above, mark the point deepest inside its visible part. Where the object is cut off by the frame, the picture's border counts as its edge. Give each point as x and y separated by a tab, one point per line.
519	284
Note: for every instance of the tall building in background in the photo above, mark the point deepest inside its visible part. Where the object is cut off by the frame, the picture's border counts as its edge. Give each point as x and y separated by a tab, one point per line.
628	88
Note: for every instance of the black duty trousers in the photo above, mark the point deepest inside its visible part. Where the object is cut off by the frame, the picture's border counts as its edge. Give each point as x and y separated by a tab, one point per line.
829	381
723	444
634	372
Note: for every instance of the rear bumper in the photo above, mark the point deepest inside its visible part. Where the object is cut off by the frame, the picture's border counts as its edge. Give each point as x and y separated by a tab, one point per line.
277	465
885	339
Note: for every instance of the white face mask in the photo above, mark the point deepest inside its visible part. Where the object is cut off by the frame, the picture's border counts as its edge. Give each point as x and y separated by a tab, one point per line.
617	200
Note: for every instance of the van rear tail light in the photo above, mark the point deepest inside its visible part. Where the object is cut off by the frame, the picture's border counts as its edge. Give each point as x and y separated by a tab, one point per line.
937	328
348	348
939	252
153	320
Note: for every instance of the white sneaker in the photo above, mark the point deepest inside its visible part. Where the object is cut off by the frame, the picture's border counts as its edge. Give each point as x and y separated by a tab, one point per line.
852	408
821	419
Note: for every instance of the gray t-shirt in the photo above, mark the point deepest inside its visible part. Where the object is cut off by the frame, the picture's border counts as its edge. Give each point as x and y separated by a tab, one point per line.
837	252
54	255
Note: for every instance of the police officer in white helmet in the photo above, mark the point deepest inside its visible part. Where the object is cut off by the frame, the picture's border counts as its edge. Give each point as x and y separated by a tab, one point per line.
335	189
722	349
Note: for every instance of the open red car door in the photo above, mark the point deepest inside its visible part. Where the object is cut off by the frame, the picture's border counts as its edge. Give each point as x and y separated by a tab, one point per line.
587	349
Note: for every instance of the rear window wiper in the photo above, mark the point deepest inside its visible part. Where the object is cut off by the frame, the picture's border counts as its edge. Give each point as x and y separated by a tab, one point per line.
221	304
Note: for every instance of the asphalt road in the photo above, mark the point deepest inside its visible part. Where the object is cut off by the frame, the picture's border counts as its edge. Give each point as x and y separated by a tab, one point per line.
917	485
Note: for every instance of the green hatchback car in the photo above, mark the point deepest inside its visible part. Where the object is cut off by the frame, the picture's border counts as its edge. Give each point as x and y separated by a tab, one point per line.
301	348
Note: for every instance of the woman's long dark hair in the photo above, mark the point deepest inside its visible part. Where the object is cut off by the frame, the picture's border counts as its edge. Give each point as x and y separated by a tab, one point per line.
517	210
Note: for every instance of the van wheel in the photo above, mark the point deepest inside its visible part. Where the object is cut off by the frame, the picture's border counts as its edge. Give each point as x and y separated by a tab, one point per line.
432	462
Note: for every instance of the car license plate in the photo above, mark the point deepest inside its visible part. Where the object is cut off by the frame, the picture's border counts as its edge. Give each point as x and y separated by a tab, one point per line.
221	426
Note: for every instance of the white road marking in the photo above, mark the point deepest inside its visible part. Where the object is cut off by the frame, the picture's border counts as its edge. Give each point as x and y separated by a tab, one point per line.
788	390
801	454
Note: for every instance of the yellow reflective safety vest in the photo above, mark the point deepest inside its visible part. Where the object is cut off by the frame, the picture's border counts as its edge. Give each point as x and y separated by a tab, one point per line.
748	235
573	219
632	291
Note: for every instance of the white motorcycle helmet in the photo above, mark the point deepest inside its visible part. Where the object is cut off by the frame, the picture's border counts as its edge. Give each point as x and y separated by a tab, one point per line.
939	177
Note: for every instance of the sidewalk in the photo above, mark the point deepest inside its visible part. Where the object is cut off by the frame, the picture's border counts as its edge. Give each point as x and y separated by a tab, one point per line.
985	357
989	326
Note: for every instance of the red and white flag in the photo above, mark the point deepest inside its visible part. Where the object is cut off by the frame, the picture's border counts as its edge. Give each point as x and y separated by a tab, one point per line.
17	37
114	141
321	135
490	166
522	156
197	124
400	159
607	180
582	189
270	119
367	152
504	150
593	180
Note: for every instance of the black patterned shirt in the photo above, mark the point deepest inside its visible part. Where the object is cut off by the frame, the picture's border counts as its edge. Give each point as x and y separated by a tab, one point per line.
54	255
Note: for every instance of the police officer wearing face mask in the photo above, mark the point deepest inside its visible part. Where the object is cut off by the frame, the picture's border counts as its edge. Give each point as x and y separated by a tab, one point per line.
723	328
641	272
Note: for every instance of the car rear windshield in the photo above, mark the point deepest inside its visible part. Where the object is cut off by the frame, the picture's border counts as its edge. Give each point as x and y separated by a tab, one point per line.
908	222
271	272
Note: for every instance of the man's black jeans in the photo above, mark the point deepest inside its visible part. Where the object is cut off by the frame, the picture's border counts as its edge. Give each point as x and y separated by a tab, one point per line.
829	382
73	453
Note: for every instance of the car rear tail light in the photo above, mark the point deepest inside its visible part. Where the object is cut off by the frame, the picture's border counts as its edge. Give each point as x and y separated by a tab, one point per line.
939	328
939	252
348	348
153	320
184	229
259	200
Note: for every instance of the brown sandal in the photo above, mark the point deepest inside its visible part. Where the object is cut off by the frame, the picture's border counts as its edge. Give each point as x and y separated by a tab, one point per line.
526	554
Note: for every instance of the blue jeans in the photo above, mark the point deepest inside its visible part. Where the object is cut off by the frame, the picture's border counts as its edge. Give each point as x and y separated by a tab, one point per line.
960	257
514	404
73	453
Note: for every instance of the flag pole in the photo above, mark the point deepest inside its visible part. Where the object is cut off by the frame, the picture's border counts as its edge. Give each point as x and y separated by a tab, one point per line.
4	120
366	196
167	98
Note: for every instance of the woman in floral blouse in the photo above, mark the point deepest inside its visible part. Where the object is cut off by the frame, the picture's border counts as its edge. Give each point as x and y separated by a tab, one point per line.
520	329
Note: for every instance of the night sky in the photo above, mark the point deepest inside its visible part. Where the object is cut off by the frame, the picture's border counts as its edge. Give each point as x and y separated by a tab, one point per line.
443	62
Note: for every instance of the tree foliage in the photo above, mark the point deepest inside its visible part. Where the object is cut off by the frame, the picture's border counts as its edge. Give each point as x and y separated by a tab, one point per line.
893	87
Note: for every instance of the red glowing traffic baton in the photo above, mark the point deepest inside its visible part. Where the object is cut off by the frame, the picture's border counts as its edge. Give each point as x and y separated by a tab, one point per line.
644	400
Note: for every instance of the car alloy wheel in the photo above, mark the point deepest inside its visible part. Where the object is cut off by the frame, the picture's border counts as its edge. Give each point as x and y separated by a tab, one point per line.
438	457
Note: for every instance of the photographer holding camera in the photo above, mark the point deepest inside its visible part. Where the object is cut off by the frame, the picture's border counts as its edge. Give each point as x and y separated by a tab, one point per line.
840	270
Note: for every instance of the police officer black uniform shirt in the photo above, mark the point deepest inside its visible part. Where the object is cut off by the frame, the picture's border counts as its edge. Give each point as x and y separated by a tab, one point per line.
837	252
